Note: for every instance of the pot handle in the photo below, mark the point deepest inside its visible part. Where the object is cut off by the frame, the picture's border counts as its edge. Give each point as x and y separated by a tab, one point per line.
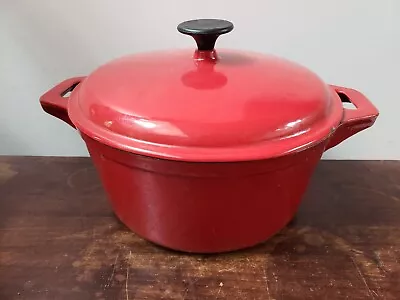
354	120
55	101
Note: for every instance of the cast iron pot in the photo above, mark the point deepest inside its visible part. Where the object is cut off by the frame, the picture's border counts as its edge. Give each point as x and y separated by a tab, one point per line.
204	150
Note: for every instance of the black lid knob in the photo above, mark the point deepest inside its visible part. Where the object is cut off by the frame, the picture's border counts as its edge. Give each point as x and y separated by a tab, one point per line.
205	31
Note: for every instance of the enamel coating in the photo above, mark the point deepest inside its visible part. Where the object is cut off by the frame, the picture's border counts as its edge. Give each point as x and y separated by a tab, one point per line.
206	151
208	207
204	207
205	106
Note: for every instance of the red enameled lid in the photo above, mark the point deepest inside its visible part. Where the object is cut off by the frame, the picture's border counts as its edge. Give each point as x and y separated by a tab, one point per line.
205	104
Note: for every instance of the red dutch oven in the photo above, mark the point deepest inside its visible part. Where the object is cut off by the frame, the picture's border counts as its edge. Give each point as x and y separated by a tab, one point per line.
205	150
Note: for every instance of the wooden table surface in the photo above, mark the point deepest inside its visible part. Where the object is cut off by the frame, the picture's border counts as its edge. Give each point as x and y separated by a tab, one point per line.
60	240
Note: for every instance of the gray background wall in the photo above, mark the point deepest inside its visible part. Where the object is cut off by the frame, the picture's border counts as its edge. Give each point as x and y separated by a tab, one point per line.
351	43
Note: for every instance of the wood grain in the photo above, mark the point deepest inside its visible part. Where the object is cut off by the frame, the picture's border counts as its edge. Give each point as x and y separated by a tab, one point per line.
60	240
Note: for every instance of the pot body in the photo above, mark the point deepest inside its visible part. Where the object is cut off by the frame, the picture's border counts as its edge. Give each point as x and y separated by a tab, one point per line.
208	206
204	207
